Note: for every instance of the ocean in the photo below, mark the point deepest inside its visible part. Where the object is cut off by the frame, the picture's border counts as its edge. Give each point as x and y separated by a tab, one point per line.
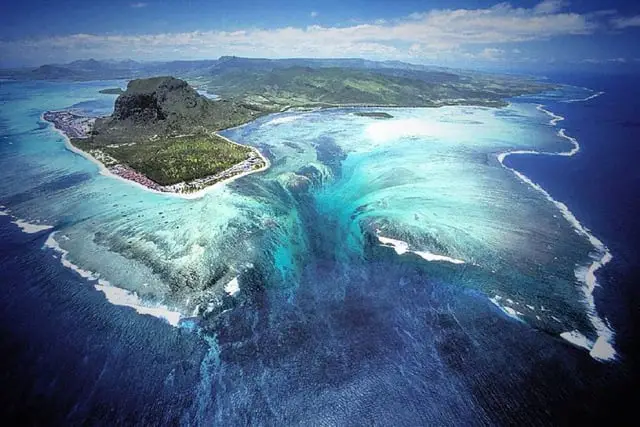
381	271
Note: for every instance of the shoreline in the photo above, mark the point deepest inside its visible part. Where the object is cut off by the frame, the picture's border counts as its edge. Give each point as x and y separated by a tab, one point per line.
602	349
105	171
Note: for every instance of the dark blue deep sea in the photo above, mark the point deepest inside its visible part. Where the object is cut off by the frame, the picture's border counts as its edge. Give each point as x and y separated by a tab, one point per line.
419	353
602	187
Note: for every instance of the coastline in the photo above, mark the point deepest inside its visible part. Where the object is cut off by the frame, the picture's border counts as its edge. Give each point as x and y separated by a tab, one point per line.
104	170
602	349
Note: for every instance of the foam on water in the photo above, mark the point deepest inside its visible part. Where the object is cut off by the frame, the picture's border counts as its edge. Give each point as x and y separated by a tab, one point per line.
233	287
435	257
25	226
555	119
594	95
124	298
115	295
585	274
283	119
509	311
31	228
577	339
403	247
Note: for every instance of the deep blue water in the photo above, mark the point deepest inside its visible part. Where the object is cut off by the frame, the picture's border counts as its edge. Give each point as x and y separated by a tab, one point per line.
601	185
420	352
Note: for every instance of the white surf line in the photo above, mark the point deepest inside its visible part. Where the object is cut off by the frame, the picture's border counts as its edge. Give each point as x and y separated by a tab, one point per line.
402	247
602	349
554	117
26	227
30	228
506	309
595	95
283	119
113	294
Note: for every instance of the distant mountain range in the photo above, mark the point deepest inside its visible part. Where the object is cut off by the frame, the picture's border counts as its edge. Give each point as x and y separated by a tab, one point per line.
274	84
92	69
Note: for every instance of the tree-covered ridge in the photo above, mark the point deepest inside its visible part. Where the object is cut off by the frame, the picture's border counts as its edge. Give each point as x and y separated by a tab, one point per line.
329	86
271	84
167	106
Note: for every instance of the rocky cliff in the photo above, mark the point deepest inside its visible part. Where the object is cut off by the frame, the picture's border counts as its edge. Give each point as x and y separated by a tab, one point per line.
166	106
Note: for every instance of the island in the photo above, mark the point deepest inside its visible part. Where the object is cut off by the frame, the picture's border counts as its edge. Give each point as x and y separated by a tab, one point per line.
163	135
374	114
112	91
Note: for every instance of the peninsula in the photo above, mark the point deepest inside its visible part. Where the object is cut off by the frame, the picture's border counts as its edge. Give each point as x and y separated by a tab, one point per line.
162	135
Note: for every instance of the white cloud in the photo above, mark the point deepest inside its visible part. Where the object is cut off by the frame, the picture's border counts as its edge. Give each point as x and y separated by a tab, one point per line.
621	23
313	14
433	35
491	53
605	61
550	6
139	5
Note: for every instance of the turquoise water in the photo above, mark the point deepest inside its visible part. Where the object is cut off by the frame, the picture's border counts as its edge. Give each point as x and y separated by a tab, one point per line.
424	189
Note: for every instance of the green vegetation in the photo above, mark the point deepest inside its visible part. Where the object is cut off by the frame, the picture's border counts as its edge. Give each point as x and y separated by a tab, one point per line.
171	160
272	84
272	88
167	106
162	128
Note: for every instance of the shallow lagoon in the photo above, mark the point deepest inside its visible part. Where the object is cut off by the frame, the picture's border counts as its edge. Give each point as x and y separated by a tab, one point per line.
342	189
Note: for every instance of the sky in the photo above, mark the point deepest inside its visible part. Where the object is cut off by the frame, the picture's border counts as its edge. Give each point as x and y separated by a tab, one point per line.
534	34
